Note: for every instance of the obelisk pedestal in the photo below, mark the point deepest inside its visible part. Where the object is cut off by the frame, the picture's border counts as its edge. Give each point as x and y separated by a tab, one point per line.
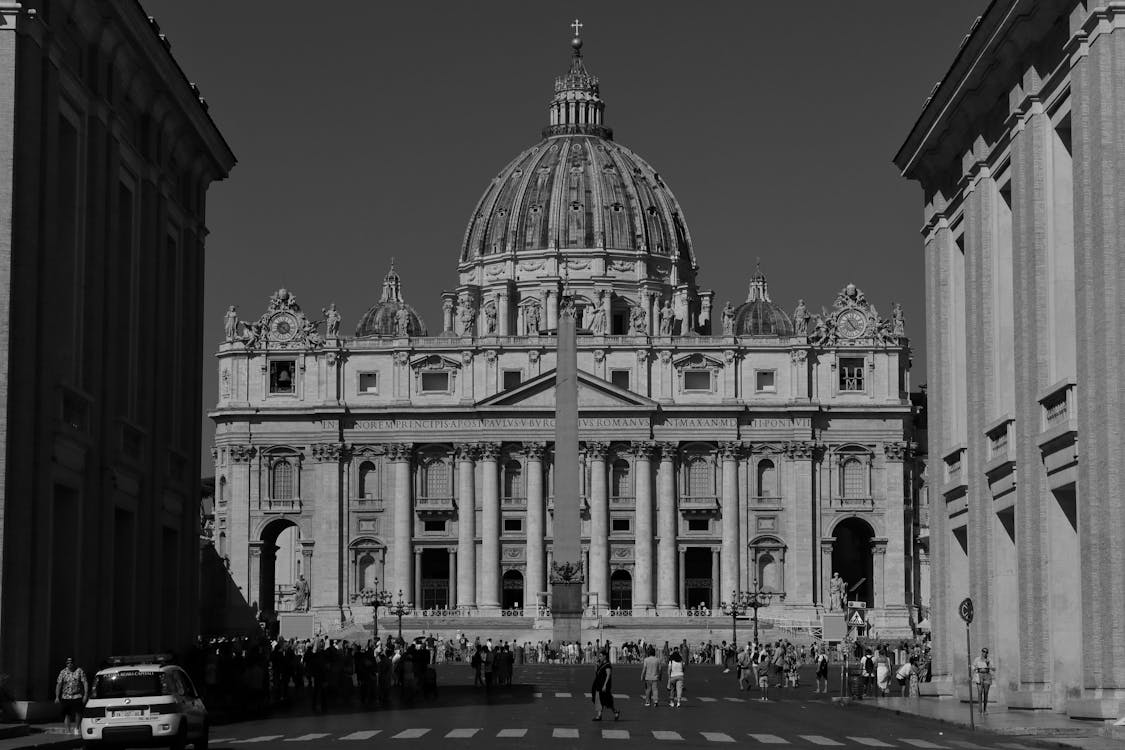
566	568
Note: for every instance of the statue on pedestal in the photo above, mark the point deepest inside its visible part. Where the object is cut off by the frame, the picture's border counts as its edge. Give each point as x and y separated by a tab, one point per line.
666	318
801	319
301	594
728	319
490	318
331	321
638	320
597	317
531	320
837	593
230	323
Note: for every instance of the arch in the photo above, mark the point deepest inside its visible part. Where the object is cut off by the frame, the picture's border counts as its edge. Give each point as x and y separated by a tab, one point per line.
621	479
853	559
767	479
620	591
368	481
278	564
511	585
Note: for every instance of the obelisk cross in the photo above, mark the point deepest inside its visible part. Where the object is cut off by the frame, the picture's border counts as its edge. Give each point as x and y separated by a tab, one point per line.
577	25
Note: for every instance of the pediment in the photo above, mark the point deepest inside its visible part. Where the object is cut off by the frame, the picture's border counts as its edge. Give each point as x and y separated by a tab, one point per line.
593	394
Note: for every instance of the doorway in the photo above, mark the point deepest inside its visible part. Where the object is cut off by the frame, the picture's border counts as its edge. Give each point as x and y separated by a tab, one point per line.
698	576
512	585
852	559
435	578
621	591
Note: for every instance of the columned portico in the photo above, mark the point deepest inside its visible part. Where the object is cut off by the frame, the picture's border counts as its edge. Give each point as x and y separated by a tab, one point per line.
490	527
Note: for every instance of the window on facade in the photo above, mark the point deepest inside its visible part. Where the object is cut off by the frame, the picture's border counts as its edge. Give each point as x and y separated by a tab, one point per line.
433	382
620	485
767	479
697	380
513	480
852	479
223	491
698	524
282	375
620	524
765	381
369	382
368	481
851	373
433	527
700	478
513	525
619	378
281	481
768	571
512	378
435	479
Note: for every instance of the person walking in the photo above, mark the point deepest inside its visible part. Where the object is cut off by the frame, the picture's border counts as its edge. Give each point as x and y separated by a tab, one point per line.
70	692
982	677
745	667
821	672
675	679
650	677
601	691
903	675
883	672
869	671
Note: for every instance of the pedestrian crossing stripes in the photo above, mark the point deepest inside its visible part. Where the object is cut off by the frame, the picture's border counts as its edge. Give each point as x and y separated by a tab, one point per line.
518	733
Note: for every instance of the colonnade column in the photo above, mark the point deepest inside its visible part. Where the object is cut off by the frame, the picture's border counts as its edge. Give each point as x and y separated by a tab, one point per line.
642	546
453	599
466	526
716	594
417	577
878	570
490	527
730	519
536	580
666	587
599	524
399	456
800	583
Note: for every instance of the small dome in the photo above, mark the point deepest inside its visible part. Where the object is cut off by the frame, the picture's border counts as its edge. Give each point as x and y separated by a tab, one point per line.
391	313
759	315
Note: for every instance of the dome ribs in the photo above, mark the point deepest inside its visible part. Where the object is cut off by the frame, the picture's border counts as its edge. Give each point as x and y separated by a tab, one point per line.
518	217
558	206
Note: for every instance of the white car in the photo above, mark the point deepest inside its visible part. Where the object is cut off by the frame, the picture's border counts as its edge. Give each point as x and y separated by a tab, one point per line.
143	701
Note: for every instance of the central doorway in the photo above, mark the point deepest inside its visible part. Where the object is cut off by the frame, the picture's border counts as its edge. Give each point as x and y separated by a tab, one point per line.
852	559
698	577
621	591
512	585
435	578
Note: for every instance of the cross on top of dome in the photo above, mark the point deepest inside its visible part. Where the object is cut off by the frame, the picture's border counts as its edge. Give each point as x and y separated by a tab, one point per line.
576	25
577	106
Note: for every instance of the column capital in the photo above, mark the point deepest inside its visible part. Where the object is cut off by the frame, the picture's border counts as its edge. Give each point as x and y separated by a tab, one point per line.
330	452
644	450
668	450
399	451
489	451
242	454
466	451
596	450
897	450
535	451
803	450
731	451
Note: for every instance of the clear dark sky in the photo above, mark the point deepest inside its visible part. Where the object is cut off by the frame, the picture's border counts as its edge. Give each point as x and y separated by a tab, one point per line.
366	130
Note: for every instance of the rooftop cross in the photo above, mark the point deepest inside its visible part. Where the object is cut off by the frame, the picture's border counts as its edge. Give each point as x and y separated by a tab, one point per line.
577	25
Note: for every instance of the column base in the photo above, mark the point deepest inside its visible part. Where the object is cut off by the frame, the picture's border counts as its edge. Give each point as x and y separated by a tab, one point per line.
1097	704
1032	700
939	687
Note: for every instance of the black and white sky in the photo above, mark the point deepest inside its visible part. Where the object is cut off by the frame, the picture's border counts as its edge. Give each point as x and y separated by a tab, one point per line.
366	130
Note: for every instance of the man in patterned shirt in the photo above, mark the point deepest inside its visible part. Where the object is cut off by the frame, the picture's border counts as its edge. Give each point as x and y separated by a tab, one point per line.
70	691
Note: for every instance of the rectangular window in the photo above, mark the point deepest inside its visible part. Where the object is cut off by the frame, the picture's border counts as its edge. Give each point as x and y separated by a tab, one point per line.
513	524
697	380
433	382
369	382
698	524
433	527
851	374
620	524
282	375
619	378
765	381
512	378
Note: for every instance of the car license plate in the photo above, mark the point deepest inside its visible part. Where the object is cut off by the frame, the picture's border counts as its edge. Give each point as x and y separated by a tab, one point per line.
128	713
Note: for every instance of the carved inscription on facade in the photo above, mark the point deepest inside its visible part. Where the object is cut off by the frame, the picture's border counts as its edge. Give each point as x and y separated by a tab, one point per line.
512	423
776	423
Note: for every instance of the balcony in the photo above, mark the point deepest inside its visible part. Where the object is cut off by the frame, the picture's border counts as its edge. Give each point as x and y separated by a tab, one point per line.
514	502
848	504
1059	436
269	505
368	503
955	484
766	501
434	506
1000	468
699	505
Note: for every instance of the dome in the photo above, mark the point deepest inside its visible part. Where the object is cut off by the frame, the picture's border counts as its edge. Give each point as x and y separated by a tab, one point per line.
759	315
385	319
578	189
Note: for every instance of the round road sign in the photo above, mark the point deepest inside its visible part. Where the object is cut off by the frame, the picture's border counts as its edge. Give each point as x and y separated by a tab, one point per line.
966	610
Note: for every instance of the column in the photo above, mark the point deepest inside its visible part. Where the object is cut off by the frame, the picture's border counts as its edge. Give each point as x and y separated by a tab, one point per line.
399	456
893	594
642	544
490	527
716	595
466	526
307	567
607	306
800	584
728	559
552	310
254	594
417	576
682	581
238	532
536	581
453	601
599	524
666	598
824	596
503	313
879	571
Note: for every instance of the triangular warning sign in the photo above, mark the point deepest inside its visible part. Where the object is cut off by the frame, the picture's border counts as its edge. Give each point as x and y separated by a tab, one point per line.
856	618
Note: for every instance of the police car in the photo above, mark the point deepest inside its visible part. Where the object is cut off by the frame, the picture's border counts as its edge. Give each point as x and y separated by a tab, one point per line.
143	701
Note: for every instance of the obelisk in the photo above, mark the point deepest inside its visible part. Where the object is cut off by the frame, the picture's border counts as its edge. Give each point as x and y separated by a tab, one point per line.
566	567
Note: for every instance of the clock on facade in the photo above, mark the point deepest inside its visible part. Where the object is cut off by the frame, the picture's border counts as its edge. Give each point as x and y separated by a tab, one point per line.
283	327
851	324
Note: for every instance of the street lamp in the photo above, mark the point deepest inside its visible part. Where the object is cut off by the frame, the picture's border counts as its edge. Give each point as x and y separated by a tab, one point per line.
398	609
376	599
740	601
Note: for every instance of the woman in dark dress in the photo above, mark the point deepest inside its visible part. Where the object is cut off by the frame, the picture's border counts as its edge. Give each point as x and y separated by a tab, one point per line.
601	692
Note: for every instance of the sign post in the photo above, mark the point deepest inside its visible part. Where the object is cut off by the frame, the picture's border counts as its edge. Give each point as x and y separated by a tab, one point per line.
966	612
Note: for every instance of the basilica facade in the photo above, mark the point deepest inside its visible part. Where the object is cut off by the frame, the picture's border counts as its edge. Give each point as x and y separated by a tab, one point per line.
721	449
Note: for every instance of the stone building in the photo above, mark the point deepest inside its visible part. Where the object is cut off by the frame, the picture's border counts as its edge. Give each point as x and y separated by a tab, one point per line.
106	153
1020	154
767	452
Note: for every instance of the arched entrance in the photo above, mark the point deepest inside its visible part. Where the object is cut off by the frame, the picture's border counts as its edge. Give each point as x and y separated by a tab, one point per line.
512	585
852	559
621	590
281	566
